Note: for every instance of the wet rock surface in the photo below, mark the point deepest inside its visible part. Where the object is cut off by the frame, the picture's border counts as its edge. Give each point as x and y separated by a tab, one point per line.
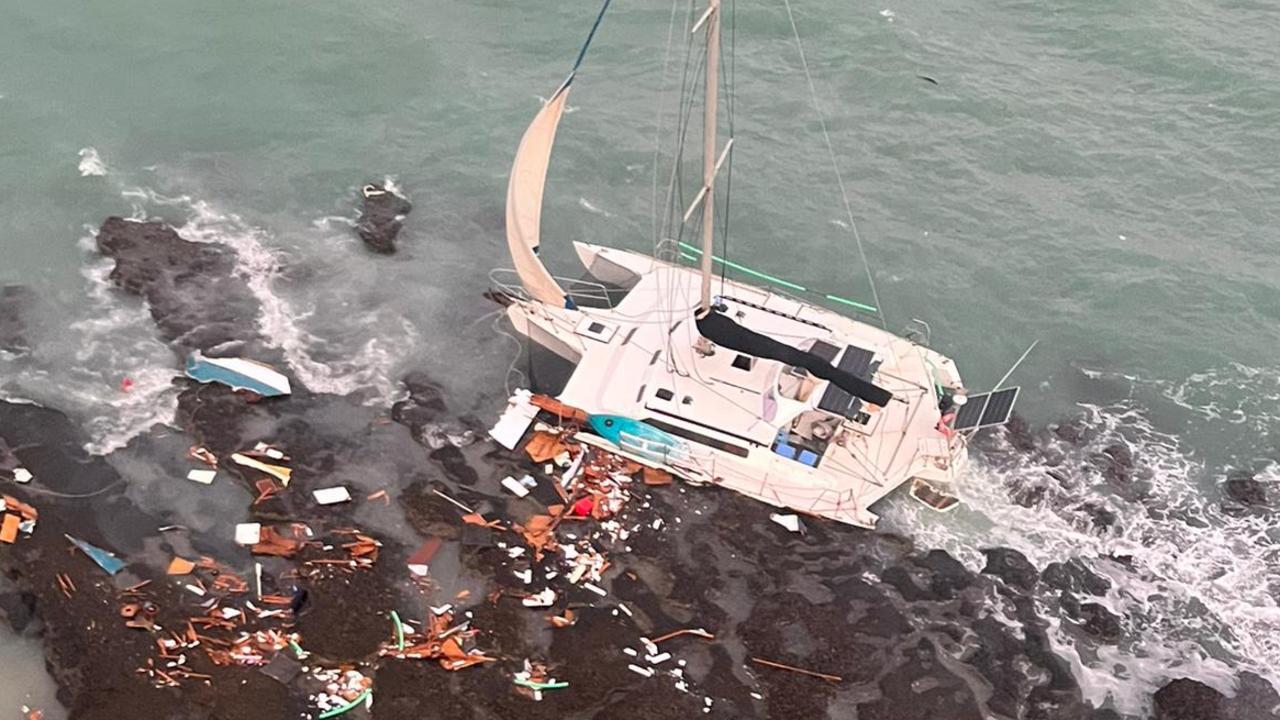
196	300
382	214
14	301
910	632
1244	488
1186	699
1012	567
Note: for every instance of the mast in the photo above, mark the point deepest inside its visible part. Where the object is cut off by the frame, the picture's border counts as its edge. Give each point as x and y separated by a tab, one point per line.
709	163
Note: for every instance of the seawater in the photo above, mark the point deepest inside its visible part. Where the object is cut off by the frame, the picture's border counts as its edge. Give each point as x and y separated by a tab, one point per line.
1093	177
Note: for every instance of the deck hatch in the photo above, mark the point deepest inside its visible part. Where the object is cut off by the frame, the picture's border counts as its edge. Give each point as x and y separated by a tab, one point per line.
599	330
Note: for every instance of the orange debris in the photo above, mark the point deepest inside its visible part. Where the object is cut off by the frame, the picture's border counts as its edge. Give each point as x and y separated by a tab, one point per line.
13	504
9	531
544	446
271	542
655	476
538	531
559	409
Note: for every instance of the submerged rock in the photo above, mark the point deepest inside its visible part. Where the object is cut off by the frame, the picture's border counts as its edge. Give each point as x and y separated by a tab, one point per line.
1187	699
424	407
381	218
190	288
1073	576
1011	566
1101	517
1099	622
1245	489
13	307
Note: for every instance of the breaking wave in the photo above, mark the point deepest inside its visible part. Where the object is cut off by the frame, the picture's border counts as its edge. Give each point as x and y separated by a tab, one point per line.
127	371
315	360
91	164
107	367
586	205
1194	579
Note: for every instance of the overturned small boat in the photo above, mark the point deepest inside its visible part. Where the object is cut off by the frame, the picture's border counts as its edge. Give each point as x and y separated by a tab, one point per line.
238	374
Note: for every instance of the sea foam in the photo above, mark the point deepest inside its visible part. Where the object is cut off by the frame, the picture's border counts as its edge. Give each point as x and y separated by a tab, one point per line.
1194	581
91	164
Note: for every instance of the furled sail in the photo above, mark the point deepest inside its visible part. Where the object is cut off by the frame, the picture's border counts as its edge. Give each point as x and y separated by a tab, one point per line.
524	201
724	332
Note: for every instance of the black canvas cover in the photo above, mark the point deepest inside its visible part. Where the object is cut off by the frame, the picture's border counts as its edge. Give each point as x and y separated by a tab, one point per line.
726	333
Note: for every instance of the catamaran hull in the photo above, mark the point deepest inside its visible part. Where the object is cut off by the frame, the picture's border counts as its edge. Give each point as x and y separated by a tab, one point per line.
611	367
529	320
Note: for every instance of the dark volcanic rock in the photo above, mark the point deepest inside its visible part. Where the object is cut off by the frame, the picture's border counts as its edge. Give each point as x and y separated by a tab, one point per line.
1103	518
913	634
381	218
191	291
1119	468
1018	432
1245	489
947	575
1074	431
14	300
1186	699
1099	622
17	609
1073	576
90	653
1011	566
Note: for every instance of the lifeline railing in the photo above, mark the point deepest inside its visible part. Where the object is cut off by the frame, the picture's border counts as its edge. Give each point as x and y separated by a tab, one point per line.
583	292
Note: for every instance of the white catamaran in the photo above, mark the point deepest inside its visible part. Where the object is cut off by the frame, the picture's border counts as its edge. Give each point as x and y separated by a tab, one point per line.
723	382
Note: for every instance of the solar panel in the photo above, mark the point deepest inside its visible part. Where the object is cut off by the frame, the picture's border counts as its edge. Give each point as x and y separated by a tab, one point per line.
824	350
855	360
987	409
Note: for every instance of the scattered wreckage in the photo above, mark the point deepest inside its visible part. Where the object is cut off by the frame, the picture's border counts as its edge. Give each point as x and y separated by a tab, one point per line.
584	493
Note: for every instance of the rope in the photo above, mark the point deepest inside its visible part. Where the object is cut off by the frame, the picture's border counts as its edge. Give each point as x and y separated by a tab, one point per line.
590	36
515	358
73	496
835	165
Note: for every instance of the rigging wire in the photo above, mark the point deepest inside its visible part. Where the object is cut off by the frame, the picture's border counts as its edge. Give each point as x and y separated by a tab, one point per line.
835	165
728	179
662	107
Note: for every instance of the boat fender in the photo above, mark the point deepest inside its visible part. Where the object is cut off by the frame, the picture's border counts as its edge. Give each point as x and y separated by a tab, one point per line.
944	425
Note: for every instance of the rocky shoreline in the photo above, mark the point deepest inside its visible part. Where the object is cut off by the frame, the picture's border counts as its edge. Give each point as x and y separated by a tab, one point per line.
912	633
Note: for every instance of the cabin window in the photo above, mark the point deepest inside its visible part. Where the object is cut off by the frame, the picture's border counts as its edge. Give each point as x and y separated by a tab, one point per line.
664	394
595	328
699	438
744	362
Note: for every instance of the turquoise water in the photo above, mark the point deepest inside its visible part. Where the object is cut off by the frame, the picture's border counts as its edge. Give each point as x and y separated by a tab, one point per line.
1100	178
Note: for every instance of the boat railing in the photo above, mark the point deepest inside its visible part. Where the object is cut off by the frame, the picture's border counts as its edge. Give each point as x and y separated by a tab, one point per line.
654	450
586	293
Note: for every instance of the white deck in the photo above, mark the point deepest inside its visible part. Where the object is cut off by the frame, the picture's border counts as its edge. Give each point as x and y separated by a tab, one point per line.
643	349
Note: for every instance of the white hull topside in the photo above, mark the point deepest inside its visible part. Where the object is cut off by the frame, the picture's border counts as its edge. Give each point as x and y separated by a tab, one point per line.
753	425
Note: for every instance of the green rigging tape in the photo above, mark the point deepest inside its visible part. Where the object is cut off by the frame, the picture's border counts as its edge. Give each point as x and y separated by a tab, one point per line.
345	708
691	253
395	618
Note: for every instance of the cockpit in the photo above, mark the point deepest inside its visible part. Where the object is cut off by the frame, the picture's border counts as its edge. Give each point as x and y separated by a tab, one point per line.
806	438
